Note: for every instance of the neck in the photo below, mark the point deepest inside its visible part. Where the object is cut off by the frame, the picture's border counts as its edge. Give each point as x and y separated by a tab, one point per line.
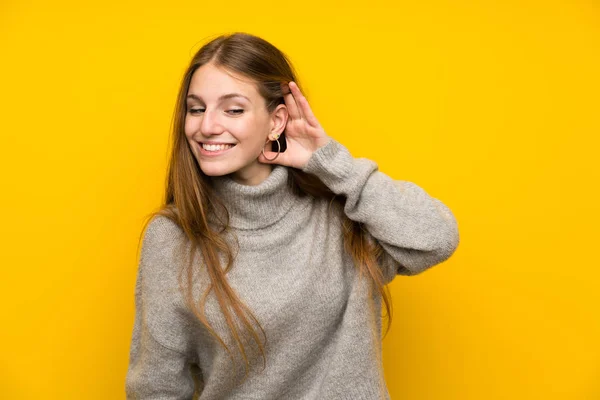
256	206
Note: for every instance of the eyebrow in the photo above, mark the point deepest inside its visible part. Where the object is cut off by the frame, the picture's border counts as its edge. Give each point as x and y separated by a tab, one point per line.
223	97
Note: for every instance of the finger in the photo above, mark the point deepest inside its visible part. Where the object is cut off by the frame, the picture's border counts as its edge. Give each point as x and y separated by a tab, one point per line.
302	102
290	101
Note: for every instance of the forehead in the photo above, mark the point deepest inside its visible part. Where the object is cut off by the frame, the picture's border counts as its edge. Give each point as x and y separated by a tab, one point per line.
210	82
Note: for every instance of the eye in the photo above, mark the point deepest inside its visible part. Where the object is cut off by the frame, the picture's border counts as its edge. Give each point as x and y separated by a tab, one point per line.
237	111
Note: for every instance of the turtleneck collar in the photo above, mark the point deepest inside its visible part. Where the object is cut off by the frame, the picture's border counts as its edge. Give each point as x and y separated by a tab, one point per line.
258	206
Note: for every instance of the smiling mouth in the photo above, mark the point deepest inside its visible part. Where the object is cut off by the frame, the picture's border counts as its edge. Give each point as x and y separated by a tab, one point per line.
216	147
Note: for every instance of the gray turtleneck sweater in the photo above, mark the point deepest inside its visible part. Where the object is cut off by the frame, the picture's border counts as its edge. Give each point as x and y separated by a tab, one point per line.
323	329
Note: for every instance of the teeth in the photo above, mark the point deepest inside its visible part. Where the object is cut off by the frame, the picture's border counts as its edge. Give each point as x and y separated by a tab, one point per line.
216	147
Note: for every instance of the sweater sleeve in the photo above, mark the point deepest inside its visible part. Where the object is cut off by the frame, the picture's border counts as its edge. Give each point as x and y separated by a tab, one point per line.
157	370
415	230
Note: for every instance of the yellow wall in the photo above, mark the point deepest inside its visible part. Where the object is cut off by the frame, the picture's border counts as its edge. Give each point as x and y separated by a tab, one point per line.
491	106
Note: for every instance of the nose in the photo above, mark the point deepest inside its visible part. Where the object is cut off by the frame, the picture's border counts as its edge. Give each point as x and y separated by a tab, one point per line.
210	123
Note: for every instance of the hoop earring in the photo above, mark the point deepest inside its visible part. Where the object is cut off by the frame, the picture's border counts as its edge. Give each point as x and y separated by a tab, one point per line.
278	150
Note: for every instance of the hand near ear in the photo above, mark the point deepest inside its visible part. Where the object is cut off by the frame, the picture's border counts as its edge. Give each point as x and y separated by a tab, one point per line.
304	134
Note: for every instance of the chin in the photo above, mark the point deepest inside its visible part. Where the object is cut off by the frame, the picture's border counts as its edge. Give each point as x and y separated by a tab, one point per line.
215	171
219	168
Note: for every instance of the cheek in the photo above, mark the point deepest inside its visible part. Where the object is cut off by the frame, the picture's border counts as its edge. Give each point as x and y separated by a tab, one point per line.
190	141
188	128
248	131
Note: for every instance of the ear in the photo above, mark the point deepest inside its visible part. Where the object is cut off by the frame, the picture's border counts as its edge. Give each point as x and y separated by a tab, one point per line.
279	119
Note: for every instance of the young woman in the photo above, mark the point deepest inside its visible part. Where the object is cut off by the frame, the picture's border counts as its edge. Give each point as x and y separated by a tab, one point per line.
273	244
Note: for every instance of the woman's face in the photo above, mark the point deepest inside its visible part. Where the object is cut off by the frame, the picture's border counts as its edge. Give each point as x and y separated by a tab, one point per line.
227	124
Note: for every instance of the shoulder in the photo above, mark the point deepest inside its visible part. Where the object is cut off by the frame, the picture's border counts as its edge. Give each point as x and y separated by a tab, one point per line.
161	229
160	238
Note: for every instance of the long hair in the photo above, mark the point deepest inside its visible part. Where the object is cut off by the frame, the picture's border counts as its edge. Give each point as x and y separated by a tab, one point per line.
189	199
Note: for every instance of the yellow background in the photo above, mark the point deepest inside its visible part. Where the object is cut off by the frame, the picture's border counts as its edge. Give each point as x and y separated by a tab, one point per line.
490	106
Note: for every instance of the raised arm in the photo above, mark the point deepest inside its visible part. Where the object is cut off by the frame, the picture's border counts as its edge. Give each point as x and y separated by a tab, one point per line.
416	230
